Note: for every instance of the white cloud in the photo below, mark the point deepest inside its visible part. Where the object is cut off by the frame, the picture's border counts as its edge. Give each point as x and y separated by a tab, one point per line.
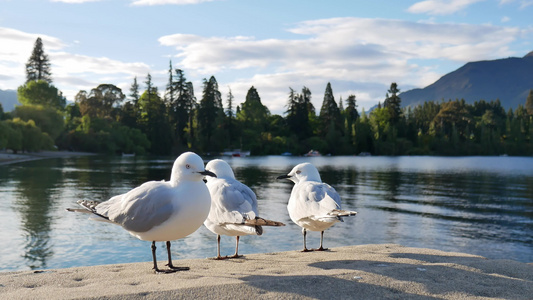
357	55
82	72
440	7
525	3
15	44
165	2
352	51
70	72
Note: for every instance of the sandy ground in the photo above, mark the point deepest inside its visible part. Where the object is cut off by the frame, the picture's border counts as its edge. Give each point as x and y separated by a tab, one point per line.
385	271
10	158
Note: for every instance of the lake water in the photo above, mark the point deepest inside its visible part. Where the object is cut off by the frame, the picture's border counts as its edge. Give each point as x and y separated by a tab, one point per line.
477	205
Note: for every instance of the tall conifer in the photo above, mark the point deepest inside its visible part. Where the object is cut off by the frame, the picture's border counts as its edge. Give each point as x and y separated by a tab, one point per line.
38	65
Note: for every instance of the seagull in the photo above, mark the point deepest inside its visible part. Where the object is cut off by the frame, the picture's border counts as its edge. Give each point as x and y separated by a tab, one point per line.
233	207
313	205
160	211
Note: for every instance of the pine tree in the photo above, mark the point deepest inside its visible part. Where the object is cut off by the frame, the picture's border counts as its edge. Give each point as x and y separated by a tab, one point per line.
351	117
330	115
229	108
134	92
208	113
182	108
170	91
230	118
253	113
38	66
299	110
393	103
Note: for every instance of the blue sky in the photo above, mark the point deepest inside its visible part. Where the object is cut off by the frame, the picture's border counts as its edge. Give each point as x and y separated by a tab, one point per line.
361	47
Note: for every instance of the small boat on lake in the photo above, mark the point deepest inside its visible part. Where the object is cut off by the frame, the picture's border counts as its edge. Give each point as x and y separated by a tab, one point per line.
236	153
312	153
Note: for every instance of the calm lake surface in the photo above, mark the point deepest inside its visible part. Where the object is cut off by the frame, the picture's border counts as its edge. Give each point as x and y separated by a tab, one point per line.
477	205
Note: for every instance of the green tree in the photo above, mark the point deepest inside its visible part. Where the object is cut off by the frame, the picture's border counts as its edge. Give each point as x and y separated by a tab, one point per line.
27	137
364	137
300	113
154	121
47	119
452	114
181	110
41	92
253	118
380	123
253	113
38	65
230	124
330	115
170	96
393	103
102	102
72	116
210	115
5	133
134	92
351	116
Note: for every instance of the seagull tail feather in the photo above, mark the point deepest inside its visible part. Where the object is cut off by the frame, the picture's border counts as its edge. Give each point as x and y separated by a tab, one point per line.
80	210
342	213
262	222
89	207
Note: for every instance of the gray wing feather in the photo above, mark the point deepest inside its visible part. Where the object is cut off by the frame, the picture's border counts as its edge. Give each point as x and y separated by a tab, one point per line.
140	209
233	202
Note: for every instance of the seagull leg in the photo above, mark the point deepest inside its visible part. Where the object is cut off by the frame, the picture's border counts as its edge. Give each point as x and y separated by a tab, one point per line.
170	265
156	269
321	242
236	255
304	232
218	249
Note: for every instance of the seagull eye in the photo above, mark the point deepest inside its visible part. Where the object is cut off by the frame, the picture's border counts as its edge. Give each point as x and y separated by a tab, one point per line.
298	172
187	166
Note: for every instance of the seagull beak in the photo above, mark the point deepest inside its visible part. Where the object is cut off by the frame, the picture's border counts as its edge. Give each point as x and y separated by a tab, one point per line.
284	177
208	173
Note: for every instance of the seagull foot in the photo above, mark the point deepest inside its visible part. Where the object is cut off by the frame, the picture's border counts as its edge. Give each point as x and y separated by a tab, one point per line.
169	271
307	250
235	256
219	257
172	268
321	249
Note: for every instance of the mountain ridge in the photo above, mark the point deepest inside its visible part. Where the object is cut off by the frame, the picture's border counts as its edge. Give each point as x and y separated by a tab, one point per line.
8	99
507	79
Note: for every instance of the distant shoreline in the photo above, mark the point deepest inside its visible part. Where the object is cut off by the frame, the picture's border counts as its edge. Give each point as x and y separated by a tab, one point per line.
10	158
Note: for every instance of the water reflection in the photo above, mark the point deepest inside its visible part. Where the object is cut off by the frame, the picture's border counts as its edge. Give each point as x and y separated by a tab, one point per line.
36	189
452	204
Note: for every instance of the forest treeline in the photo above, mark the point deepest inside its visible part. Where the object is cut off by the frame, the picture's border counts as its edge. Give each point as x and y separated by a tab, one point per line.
149	121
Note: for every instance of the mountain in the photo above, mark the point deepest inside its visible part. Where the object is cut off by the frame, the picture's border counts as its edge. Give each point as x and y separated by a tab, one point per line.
8	98
508	80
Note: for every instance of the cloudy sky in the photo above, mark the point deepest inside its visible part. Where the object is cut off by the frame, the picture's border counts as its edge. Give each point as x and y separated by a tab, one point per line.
361	47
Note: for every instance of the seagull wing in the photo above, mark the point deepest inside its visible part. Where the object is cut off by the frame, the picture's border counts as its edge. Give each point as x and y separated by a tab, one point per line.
315	200
142	208
232	202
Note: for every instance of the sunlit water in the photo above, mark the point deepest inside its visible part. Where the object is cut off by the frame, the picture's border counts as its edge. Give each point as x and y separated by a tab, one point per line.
477	205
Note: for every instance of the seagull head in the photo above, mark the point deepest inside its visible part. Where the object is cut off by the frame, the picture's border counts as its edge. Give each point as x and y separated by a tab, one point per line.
221	168
189	166
302	172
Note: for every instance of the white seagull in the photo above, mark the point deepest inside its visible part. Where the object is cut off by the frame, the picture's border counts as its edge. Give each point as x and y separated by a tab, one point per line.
313	205
160	211
233	207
